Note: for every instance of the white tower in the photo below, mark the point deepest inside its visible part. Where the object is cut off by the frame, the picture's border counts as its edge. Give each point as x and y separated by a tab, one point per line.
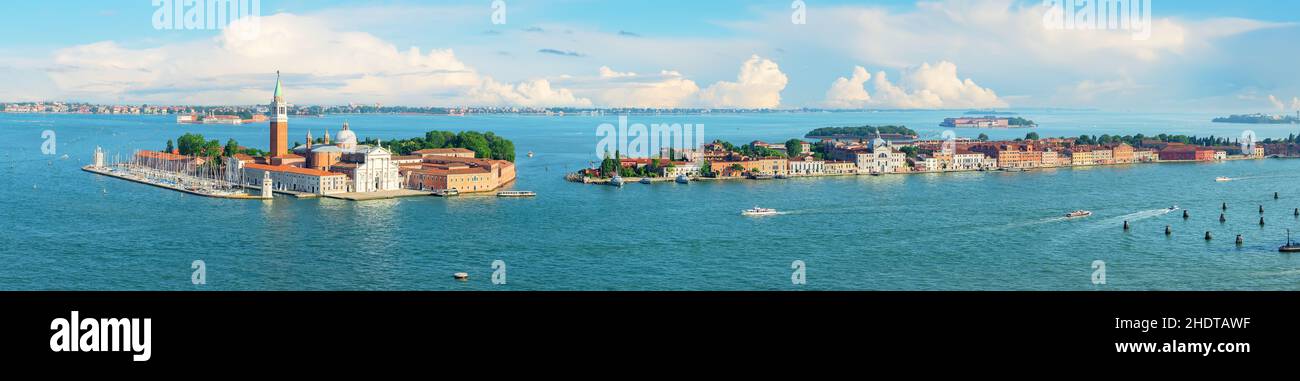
266	184
99	158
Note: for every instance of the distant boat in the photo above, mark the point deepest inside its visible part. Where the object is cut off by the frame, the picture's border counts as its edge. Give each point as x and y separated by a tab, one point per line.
758	212
616	181
1173	208
645	180
682	179
516	194
1289	247
761	177
446	192
1078	214
1222	179
530	153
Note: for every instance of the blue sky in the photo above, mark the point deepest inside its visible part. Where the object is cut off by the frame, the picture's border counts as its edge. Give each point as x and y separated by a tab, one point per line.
1224	55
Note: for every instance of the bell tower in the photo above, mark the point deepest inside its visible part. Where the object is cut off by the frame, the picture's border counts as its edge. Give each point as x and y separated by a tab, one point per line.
279	122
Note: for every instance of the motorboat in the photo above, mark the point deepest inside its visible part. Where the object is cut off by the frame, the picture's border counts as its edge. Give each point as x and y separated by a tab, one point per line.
1222	179
682	179
1289	247
645	180
616	181
1078	214
758	212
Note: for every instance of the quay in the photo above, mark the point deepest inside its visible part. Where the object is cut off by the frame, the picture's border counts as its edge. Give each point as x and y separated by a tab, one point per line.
113	174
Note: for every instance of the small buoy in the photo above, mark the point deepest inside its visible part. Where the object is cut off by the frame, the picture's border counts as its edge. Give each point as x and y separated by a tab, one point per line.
1208	236
1261	209
1297	211
461	276
1168	231
1185	216
1274	195
1261	221
1222	218
1225	206
1125	225
1239	240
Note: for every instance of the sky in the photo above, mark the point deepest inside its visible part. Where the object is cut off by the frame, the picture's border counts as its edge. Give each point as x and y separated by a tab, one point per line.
1229	56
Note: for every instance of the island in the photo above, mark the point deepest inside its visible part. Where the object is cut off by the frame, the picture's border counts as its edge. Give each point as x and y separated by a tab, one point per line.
1259	119
988	121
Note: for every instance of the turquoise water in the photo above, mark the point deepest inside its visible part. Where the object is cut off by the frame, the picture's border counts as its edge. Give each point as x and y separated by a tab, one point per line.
67	229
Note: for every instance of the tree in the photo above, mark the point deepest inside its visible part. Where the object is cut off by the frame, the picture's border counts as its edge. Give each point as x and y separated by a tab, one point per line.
232	148
706	169
170	147
1031	136
983	137
794	147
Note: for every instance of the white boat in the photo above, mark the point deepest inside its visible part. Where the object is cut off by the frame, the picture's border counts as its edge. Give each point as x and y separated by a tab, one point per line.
645	180
1222	179
516	194
682	179
616	181
758	212
1078	214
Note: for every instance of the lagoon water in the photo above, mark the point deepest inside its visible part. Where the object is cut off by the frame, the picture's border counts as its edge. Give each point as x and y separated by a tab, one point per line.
67	229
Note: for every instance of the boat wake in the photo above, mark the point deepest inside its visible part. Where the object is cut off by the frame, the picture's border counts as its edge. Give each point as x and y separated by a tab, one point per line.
1145	214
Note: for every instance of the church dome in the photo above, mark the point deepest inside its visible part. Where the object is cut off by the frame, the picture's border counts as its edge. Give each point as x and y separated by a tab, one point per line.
346	138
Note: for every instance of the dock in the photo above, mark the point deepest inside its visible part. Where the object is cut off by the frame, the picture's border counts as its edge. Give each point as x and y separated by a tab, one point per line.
110	173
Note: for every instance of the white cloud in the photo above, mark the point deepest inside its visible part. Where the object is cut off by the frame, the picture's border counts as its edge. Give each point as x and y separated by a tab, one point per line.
1277	103
924	86
1295	103
759	85
322	65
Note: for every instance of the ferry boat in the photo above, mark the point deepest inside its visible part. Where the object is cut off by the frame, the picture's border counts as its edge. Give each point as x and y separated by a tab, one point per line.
758	212
446	192
645	180
616	181
516	194
1078	214
682	179
1222	179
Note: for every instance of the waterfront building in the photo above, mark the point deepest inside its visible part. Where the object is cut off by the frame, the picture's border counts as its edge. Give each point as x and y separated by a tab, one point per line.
680	168
923	163
1123	154
295	179
1145	155
965	160
807	166
1103	156
370	169
840	167
1220	155
879	157
1081	155
464	174
1178	151
1049	158
1011	155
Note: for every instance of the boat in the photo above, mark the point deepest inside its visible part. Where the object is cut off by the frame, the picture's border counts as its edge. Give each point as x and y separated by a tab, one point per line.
1173	208
446	192
682	179
761	177
758	212
1289	247
645	180
530	153
516	194
782	177
1078	214
616	181
1222	179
